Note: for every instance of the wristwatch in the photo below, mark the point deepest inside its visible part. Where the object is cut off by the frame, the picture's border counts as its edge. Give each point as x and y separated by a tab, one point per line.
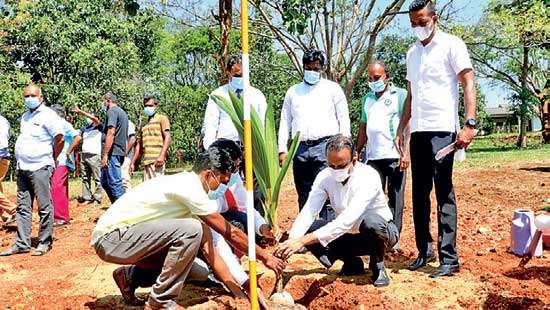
471	122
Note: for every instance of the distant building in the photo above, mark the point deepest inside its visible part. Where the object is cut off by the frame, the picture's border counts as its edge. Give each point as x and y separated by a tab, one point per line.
505	122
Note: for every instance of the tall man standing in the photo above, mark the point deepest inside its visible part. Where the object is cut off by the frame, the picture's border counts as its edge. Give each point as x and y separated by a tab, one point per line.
154	141
436	63
318	109
39	143
380	115
115	130
7	208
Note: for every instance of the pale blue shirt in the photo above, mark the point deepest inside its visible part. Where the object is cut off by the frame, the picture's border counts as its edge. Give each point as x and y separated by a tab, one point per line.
69	132
34	145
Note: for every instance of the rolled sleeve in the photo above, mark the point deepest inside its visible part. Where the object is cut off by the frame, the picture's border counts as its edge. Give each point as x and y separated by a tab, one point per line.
164	123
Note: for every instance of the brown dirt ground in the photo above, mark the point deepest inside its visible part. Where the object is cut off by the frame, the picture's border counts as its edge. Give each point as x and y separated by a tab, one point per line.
72	277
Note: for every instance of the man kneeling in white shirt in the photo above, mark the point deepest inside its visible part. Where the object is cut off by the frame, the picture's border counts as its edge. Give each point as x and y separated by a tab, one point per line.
363	223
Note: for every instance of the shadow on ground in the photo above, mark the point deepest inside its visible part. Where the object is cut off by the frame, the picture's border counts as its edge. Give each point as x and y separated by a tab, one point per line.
495	301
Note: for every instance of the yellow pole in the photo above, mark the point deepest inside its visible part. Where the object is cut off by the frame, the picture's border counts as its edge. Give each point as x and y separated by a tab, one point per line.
248	159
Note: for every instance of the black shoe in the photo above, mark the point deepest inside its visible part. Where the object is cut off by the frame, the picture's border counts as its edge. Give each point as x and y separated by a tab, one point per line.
445	270
13	251
353	267
380	278
420	262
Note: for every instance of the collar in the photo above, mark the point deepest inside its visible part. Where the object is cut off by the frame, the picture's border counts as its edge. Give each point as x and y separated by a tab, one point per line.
38	109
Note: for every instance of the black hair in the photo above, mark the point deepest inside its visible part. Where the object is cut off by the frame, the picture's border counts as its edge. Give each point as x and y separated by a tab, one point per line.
312	55
418	5
214	158
339	142
230	146
148	97
233	60
111	97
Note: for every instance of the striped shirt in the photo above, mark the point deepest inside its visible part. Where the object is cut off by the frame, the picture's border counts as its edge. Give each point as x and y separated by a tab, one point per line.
152	139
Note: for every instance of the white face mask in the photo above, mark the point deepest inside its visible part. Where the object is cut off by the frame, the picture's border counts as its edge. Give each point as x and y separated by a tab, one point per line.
422	33
340	175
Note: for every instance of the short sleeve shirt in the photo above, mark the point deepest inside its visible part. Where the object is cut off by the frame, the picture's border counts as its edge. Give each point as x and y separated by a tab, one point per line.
432	71
382	116
118	119
91	137
167	197
34	145
152	138
69	133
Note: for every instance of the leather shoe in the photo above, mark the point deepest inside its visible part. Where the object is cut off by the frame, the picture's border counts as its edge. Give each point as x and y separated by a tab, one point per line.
421	261
125	287
380	278
445	270
13	250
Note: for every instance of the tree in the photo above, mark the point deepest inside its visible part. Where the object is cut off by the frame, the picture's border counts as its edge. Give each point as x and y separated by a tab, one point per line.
346	30
510	46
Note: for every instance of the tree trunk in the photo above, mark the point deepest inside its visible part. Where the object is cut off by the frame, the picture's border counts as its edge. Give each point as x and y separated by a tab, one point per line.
225	20
522	138
545	115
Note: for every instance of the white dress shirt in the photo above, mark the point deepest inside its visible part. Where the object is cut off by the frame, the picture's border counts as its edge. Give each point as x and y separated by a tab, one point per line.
91	140
316	111
34	145
217	124
362	195
239	193
432	71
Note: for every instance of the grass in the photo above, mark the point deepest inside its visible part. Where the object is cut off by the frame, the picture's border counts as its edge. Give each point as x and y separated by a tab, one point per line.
494	150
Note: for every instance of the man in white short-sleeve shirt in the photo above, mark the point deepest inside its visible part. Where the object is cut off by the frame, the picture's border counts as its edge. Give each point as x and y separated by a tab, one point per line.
436	64
363	223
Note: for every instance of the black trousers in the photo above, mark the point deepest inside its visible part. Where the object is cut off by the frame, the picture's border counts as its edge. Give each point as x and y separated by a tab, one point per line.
393	182
427	172
309	160
375	237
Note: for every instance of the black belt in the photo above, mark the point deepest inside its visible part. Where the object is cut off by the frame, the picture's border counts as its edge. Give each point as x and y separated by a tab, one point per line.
315	142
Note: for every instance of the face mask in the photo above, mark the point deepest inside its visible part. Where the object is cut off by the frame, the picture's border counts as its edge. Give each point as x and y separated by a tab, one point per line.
149	111
377	86
422	33
32	102
340	175
312	77
233	179
218	192
237	83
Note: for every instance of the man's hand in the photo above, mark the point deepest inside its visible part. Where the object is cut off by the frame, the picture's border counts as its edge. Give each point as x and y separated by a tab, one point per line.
131	169
160	161
289	247
267	234
465	137
282	158
273	263
75	109
104	161
398	142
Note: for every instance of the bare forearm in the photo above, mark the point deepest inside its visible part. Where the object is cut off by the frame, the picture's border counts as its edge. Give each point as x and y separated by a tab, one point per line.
108	144
470	101
362	137
57	145
166	144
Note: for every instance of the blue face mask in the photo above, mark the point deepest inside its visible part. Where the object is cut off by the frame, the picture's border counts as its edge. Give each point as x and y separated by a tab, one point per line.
149	111
233	180
32	102
237	83
377	86
218	192
312	77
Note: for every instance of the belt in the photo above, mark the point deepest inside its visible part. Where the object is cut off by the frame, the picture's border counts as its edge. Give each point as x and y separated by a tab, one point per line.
315	142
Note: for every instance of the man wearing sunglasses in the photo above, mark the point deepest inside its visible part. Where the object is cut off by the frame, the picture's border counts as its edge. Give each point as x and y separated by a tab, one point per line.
363	223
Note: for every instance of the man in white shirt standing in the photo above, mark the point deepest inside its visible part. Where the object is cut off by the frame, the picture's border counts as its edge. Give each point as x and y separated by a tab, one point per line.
39	144
217	124
436	64
381	112
318	109
7	208
363	223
